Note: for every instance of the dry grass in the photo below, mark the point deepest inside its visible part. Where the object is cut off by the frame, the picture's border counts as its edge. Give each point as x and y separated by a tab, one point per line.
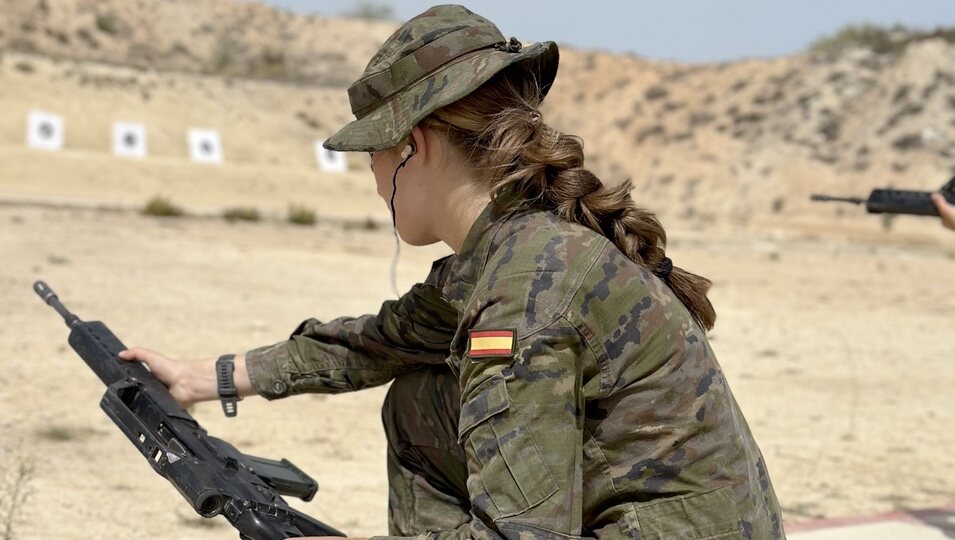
15	490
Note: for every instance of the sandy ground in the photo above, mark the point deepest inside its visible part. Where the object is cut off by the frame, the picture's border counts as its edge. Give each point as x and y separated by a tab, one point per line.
839	352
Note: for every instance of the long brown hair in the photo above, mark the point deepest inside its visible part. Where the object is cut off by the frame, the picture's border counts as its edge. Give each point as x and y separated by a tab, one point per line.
499	130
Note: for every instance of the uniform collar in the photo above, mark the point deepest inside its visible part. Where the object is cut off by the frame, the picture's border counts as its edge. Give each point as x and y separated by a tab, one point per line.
469	263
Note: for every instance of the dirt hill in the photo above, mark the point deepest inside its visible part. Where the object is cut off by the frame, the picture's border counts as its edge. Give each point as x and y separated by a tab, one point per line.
741	143
197	36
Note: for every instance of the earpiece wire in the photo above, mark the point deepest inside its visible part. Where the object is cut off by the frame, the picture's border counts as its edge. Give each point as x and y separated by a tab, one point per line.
394	225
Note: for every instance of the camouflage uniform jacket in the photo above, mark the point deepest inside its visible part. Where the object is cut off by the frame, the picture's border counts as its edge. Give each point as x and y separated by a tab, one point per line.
608	417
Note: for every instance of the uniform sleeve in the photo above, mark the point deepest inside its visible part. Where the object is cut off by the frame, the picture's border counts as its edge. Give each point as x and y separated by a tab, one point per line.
521	427
352	353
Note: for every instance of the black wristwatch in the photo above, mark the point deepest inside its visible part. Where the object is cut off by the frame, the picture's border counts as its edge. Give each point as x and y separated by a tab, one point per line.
225	366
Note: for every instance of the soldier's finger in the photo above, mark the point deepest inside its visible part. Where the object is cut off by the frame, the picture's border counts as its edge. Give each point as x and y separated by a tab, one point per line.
946	210
138	354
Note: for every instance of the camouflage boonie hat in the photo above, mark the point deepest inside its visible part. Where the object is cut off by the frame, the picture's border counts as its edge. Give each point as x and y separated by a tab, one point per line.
433	60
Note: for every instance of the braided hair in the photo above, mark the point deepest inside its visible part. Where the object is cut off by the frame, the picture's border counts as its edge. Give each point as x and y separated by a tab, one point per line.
499	129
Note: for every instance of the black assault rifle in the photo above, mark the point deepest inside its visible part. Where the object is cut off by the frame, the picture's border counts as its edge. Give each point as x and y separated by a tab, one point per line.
210	473
897	201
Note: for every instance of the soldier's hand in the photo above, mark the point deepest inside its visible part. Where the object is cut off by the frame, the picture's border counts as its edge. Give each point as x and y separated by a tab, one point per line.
946	210
176	375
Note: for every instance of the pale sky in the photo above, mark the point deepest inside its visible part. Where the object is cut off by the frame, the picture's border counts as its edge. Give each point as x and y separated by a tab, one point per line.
687	30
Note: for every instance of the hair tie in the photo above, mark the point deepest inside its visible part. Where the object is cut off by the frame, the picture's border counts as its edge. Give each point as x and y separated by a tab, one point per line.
535	117
664	268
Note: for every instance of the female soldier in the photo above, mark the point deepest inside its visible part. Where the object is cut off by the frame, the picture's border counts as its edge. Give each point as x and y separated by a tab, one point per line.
552	378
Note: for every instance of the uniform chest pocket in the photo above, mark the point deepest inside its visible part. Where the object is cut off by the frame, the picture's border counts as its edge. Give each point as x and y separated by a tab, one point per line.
506	473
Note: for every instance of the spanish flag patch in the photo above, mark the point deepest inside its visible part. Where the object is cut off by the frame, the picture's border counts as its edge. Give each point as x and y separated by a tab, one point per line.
491	343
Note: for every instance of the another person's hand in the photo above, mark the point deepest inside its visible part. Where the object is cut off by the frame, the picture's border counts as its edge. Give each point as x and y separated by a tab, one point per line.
945	209
182	378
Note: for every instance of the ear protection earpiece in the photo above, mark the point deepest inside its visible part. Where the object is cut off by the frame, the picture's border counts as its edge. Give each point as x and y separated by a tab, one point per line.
408	151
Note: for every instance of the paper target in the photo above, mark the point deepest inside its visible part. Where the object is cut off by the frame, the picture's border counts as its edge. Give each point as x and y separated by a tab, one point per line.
129	139
330	160
44	130
205	146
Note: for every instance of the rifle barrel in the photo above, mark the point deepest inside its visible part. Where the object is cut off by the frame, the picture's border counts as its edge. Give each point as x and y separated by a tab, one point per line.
48	296
829	198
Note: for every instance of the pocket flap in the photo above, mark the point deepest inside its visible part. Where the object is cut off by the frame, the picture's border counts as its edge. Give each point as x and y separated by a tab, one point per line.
488	399
711	514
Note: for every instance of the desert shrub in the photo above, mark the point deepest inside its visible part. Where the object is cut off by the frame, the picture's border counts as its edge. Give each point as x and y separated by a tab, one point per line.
367	224
270	64
222	59
778	204
878	39
901	93
22	44
107	23
58	35
768	96
373	11
656	92
748	118
655	130
911	141
825	155
161	207
301	215
829	128
308	120
87	37
671	106
701	118
241	213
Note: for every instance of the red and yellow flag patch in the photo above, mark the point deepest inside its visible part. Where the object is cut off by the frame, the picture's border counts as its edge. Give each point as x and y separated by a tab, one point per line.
491	343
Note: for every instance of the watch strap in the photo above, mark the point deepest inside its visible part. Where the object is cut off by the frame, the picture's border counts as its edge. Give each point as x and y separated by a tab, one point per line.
228	395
